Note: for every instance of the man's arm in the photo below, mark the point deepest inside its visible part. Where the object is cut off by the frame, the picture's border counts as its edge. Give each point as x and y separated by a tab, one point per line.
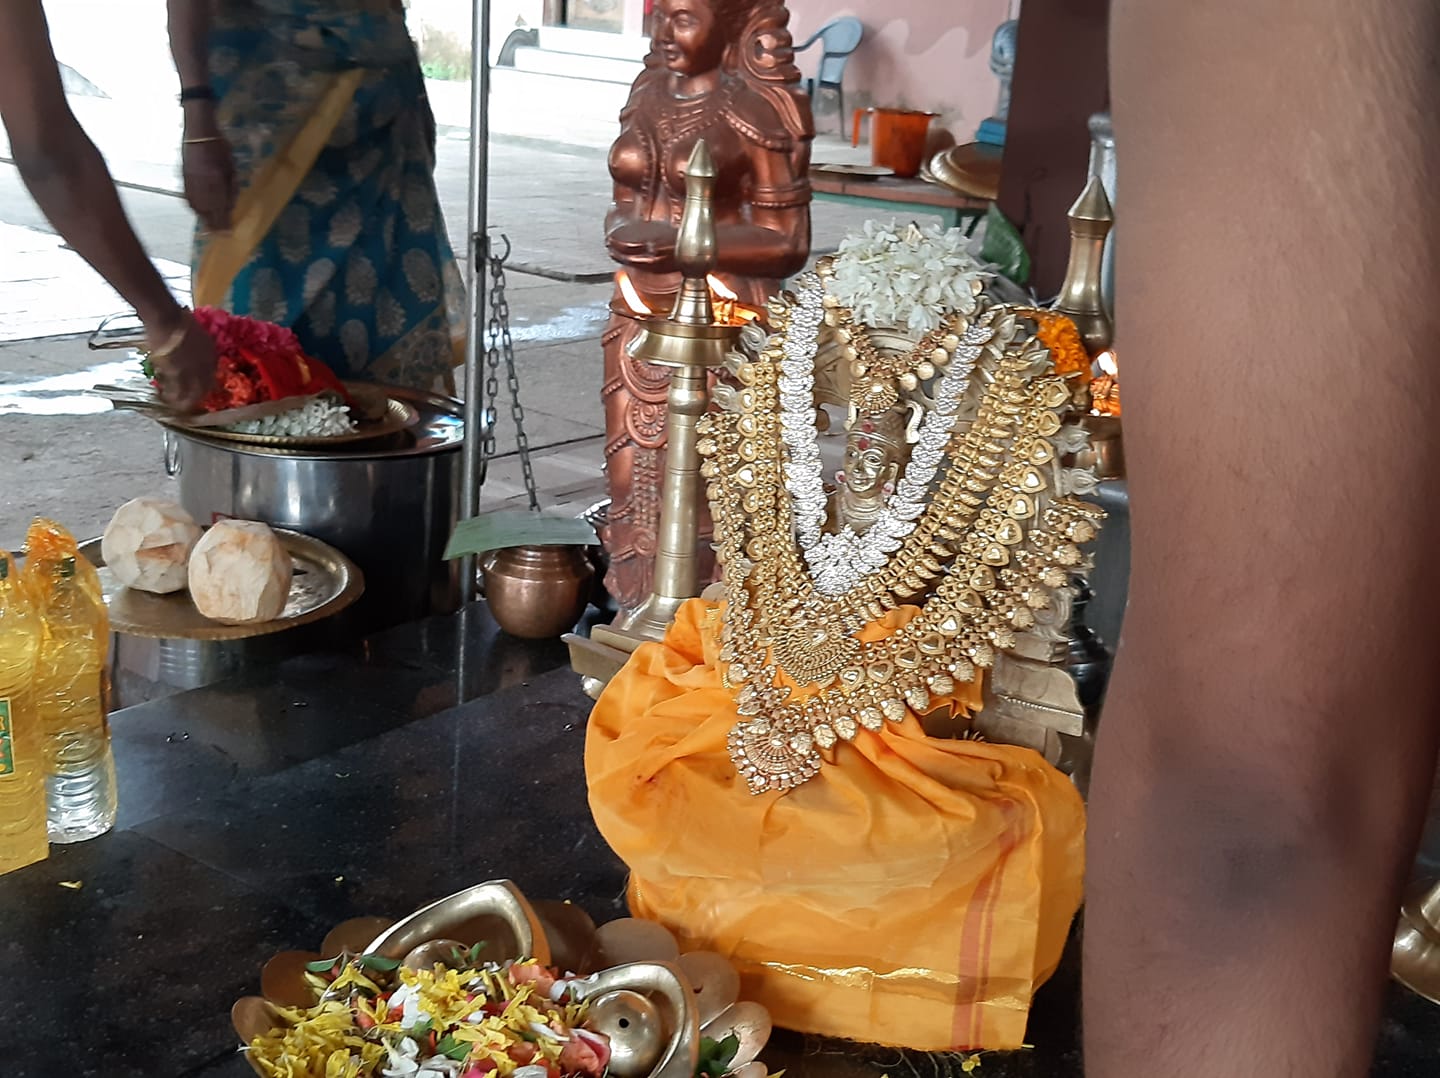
68	179
1270	739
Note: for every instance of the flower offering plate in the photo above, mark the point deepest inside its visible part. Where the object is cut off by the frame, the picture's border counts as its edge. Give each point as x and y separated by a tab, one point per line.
623	990
377	415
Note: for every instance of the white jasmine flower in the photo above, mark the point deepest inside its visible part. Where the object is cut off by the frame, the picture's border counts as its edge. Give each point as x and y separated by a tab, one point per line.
324	417
906	279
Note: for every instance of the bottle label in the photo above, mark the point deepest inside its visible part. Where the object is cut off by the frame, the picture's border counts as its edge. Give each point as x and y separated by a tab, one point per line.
7	750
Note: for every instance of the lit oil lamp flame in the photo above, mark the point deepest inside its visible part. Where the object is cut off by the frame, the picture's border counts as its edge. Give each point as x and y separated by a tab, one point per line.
728	308
632	296
1105	388
720	288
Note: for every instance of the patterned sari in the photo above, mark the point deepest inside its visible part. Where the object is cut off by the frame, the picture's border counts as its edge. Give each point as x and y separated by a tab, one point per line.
338	232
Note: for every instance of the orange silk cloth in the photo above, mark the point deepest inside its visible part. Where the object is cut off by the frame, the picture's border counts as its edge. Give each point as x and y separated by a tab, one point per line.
915	892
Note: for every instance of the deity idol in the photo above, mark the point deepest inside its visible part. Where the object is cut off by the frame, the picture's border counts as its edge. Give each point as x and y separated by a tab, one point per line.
875	448
722	71
769	771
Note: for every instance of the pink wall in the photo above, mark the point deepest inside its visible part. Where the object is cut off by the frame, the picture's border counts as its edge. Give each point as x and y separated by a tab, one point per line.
935	56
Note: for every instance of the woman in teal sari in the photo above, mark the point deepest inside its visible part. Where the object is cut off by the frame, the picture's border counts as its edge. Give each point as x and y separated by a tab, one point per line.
309	157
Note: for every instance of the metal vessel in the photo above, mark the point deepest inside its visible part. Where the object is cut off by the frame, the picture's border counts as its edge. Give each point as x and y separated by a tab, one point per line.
538	592
390	506
1102	164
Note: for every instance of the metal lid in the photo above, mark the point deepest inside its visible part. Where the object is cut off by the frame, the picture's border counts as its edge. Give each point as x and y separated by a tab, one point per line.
440	429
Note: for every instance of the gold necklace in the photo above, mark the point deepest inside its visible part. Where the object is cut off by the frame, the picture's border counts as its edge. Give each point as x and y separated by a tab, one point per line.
994	536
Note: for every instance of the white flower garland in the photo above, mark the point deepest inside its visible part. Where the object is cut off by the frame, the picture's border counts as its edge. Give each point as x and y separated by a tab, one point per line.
840	561
910	278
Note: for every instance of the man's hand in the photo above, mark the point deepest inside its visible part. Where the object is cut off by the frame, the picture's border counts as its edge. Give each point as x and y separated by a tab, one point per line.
183	357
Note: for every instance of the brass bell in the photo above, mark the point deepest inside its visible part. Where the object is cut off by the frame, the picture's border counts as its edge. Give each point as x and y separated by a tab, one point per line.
636	1032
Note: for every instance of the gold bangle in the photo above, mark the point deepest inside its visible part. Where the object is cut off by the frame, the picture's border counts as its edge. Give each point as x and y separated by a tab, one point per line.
175	340
200	141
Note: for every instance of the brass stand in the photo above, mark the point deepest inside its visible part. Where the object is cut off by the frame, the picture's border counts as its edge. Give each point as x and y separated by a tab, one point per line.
1415	957
690	343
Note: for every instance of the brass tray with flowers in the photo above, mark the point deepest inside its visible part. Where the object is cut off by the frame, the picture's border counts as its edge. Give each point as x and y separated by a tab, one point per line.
268	392
486	983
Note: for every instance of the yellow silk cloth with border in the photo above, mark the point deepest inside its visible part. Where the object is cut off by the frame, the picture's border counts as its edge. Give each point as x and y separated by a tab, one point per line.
915	892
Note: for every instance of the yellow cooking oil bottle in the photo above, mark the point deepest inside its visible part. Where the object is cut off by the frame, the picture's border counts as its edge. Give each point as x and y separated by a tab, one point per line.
69	675
22	759
46	543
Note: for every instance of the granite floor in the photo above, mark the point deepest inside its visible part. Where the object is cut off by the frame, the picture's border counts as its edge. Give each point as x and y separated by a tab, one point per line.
258	813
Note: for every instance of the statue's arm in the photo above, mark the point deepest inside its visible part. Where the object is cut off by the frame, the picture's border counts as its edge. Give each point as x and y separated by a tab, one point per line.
1269	742
775	241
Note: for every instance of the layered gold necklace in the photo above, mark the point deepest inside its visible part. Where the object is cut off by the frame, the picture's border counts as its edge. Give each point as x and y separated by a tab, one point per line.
990	538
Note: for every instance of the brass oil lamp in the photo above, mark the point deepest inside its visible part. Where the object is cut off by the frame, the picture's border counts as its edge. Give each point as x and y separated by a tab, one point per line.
691	342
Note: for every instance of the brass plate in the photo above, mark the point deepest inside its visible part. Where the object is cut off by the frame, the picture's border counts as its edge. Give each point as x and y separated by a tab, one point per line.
972	170
325	583
381	415
855	172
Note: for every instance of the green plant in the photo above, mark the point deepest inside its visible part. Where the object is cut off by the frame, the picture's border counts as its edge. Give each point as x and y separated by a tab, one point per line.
1003	247
444	55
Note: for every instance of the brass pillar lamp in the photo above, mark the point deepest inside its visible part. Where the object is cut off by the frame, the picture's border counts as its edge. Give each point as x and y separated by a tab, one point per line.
691	343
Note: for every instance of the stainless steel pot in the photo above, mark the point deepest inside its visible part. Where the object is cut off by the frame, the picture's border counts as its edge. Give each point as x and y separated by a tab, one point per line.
390	506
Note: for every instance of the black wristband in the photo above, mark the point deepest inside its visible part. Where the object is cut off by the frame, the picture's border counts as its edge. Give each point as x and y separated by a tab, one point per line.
196	93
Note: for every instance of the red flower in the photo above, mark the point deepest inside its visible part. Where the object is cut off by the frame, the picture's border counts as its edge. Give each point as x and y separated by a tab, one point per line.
587	1054
260	361
533	973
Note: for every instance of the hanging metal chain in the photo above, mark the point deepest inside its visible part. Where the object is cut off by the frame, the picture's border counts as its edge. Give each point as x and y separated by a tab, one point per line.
498	346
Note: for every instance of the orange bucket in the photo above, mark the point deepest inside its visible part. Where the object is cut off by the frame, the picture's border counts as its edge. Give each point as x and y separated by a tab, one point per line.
897	138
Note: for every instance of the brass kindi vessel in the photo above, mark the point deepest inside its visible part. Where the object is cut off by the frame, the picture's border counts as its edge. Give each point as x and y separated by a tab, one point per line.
1082	299
1081	296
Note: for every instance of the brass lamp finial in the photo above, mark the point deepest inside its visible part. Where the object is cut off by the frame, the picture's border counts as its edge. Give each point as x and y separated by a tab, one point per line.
1081	296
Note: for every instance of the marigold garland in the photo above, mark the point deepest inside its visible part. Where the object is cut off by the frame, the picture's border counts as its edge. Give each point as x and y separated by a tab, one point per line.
1059	334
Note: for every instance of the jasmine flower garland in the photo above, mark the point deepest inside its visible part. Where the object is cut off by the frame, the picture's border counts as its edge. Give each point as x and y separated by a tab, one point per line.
908	278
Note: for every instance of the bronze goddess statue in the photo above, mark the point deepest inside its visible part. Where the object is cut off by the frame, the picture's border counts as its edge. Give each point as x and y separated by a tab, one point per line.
721	70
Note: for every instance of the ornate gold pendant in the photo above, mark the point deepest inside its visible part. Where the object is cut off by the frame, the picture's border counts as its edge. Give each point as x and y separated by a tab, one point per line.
812	654
769	759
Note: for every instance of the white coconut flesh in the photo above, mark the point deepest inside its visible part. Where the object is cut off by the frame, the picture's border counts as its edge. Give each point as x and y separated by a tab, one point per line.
147	545
240	573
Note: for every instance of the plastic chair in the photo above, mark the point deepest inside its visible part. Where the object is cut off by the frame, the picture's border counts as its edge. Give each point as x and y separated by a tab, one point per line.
838	38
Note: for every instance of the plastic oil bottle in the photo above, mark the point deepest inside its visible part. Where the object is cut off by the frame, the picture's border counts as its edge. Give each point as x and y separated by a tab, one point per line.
22	760
80	768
